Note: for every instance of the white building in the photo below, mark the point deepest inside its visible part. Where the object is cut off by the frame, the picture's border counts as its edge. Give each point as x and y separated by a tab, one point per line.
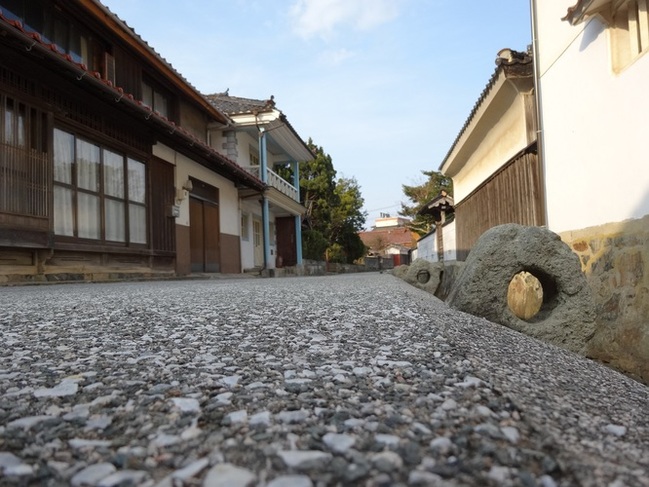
592	77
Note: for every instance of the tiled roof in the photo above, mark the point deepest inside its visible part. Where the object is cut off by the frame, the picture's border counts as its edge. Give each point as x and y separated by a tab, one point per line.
388	235
442	202
235	105
514	64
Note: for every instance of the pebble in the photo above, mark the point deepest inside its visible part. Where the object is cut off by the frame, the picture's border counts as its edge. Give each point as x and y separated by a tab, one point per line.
290	481
615	429
387	440
240	416
305	459
92	474
228	475
338	443
123	477
65	388
292	417
387	461
511	434
186	404
344	380
441	444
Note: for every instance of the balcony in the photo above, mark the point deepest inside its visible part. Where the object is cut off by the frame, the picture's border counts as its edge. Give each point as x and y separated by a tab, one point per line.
276	181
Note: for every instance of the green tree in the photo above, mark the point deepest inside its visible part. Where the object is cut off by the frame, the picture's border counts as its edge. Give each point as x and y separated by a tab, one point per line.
347	219
419	195
334	211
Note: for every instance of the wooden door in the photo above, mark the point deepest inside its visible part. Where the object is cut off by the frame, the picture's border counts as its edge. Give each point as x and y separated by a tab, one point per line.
196	235
212	240
204	231
286	248
161	189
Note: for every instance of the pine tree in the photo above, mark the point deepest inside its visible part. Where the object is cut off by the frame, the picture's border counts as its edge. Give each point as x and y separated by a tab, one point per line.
421	194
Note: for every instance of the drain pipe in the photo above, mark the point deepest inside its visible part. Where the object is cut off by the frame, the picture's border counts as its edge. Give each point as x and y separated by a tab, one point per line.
265	210
540	136
298	218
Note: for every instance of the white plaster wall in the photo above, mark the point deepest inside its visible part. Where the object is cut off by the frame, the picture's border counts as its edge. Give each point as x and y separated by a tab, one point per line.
450	245
427	248
594	126
228	195
504	132
244	143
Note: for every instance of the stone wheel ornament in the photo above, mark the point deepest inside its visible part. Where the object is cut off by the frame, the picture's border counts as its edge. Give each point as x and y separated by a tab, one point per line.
514	256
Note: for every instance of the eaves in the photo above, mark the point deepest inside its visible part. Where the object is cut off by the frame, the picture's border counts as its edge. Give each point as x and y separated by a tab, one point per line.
127	103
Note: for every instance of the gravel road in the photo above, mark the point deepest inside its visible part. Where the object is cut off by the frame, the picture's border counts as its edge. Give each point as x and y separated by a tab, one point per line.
297	382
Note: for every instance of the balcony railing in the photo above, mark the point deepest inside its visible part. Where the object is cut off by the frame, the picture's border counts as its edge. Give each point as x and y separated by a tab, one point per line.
276	181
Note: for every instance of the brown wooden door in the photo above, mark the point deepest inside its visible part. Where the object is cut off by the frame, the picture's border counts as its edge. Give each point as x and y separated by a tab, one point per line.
212	241
286	240
196	235
163	231
204	233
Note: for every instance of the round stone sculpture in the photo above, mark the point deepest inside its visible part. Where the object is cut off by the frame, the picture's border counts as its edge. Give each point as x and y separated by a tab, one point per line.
424	275
567	313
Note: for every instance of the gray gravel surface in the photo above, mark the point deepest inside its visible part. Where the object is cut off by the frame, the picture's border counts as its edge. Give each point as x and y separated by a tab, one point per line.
346	380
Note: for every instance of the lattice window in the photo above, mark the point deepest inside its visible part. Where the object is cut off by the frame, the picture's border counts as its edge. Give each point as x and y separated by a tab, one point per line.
24	168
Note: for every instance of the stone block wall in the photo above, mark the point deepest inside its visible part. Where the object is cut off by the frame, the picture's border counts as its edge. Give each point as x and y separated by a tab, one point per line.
615	259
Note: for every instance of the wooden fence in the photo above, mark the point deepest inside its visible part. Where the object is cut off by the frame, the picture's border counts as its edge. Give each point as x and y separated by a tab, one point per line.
514	194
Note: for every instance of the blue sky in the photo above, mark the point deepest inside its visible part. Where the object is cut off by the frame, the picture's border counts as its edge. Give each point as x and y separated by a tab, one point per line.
384	86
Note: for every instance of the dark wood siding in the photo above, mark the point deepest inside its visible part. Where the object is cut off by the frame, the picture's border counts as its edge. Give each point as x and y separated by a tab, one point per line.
162	198
285	228
512	195
128	73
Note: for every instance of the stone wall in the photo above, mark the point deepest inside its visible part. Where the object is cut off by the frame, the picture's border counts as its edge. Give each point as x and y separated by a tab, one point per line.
615	259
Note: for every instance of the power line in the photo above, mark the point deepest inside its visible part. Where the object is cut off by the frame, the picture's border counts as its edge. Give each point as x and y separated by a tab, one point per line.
383	208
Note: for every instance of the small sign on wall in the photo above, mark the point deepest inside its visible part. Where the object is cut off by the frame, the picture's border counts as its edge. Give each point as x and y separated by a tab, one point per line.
174	211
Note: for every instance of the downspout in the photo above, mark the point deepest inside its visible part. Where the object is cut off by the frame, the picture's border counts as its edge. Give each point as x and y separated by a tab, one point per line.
298	218
540	136
265	211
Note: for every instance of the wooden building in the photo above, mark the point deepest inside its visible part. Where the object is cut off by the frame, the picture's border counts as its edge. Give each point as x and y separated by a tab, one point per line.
106	168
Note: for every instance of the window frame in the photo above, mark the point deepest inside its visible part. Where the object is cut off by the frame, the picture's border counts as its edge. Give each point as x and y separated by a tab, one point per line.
58	28
67	180
245	226
629	32
157	98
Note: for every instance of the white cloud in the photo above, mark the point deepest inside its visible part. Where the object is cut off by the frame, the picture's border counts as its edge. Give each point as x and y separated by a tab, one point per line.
336	57
322	17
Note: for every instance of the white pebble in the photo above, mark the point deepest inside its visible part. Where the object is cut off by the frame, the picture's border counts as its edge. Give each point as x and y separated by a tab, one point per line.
228	475
290	481
92	474
305	459
338	443
615	429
